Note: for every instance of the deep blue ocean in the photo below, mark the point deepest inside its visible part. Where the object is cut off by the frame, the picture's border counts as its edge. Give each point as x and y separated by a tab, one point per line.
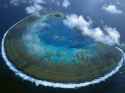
10	14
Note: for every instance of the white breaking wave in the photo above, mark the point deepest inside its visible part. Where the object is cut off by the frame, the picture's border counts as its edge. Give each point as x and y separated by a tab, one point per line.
53	84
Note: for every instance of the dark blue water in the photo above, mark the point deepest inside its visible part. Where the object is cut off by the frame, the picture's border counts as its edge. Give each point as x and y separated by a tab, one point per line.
10	14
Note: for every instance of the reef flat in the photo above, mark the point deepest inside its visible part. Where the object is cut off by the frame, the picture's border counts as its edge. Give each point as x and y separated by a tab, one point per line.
44	48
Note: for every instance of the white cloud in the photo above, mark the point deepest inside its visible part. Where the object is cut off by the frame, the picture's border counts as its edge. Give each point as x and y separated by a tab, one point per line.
37	5
111	38
66	3
112	9
74	20
114	34
34	8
